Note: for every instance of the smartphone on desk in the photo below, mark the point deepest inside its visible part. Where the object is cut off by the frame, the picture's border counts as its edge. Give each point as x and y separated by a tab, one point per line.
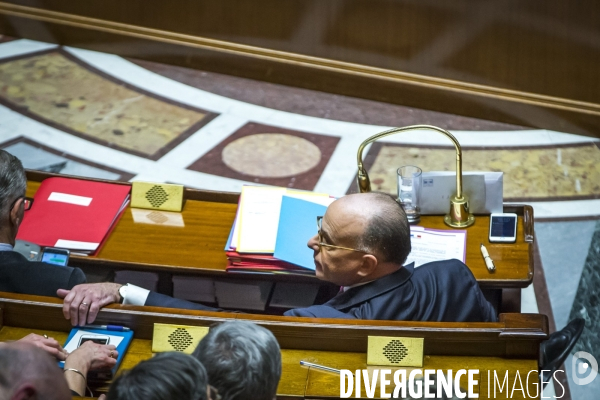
55	256
503	227
94	338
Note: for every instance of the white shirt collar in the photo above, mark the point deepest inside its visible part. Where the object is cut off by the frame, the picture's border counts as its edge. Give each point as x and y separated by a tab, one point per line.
344	288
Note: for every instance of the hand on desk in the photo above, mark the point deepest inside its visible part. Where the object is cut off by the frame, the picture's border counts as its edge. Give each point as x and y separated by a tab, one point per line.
48	344
87	357
91	356
83	302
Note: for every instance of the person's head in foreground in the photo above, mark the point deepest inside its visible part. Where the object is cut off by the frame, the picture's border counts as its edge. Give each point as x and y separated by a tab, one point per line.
242	359
27	372
13	183
166	376
362	237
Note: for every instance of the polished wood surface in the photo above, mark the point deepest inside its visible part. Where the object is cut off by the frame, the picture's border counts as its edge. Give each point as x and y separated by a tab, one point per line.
511	344
460	57
198	246
514	335
298	381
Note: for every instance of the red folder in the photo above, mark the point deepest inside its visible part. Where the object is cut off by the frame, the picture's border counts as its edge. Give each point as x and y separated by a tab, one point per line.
244	262
73	214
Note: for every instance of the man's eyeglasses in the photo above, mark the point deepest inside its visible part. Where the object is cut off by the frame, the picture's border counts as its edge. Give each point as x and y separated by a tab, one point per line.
27	202
321	244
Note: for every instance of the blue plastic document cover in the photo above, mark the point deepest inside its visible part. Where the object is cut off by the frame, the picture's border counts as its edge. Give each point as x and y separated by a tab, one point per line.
120	339
297	224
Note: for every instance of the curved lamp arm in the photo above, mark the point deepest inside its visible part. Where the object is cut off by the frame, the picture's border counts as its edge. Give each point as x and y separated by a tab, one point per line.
459	216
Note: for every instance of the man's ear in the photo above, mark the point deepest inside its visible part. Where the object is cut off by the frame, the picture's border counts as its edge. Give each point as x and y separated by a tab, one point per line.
24	392
369	264
15	215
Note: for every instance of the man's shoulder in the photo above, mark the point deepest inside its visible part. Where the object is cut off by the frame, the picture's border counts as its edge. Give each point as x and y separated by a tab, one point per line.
447	270
12	257
442	265
16	262
19	275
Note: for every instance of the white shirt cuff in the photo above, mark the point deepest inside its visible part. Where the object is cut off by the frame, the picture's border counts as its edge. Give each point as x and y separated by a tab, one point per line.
135	295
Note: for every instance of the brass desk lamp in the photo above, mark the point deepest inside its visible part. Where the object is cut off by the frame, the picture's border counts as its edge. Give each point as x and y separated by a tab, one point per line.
459	215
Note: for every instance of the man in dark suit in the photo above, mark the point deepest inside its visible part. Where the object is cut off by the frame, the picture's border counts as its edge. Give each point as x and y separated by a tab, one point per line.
17	274
361	245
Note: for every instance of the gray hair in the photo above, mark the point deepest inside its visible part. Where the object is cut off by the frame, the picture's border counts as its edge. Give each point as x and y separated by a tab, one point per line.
24	363
13	181
242	359
166	376
388	230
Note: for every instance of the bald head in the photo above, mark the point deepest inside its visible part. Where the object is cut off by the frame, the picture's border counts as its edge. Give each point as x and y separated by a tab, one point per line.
379	224
27	372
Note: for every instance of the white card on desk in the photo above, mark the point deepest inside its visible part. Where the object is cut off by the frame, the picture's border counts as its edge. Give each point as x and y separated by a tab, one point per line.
484	190
74	342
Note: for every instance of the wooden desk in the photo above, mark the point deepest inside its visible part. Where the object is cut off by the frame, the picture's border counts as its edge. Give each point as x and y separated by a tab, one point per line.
511	344
197	248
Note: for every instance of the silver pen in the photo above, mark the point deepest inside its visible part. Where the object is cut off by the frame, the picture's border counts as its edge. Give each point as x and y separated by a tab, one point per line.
317	366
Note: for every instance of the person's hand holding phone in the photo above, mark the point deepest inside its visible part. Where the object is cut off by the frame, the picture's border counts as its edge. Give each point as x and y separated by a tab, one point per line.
92	356
88	356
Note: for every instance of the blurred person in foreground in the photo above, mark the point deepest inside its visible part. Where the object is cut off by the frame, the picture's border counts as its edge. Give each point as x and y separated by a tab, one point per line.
166	376
27	372
242	360
30	356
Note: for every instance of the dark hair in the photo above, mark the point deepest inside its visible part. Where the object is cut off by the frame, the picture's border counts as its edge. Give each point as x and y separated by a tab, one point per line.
388	230
166	376
13	181
242	359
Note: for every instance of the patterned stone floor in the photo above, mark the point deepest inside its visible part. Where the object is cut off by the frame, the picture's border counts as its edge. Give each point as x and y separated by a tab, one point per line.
93	114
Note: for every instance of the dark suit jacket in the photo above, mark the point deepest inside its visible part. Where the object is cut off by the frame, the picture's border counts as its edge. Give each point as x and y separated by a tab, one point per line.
18	275
438	291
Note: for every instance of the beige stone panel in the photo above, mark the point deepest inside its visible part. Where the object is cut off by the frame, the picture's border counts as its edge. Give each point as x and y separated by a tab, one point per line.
531	173
58	89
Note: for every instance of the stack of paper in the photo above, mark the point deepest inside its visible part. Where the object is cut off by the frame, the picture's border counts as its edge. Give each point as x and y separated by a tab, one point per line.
74	214
271	230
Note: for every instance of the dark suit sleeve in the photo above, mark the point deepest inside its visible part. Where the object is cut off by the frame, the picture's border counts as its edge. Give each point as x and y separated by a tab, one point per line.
77	277
160	300
321	311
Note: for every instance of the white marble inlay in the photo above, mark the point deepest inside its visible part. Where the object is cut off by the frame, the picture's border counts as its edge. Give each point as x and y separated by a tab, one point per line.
23	46
202	141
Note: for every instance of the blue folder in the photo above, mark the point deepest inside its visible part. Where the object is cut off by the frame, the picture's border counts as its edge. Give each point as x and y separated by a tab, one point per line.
297	224
121	349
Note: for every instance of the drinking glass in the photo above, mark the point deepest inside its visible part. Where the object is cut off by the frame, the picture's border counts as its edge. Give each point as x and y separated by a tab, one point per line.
409	191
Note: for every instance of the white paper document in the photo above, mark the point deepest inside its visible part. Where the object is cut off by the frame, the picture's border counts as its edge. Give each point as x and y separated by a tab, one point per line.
484	190
257	221
434	245
258	218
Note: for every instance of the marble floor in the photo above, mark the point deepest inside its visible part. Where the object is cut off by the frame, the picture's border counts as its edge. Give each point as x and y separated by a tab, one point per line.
93	114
